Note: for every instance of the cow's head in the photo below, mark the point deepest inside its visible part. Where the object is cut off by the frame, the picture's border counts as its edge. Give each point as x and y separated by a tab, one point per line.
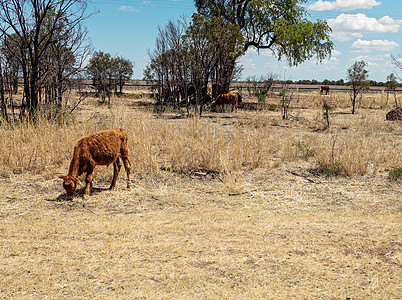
70	184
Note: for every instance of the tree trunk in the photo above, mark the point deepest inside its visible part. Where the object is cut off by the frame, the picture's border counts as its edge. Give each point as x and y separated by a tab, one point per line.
34	99
2	97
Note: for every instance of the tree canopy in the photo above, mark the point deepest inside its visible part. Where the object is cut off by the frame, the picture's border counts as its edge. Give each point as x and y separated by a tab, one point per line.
279	25
108	72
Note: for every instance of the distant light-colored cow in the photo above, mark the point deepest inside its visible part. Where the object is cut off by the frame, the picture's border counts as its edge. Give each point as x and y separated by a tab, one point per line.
229	98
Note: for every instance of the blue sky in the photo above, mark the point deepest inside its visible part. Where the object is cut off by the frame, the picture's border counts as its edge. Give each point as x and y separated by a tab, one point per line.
369	30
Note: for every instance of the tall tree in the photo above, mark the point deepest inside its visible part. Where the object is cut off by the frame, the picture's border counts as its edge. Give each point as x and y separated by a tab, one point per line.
168	67
108	73
189	56
3	104
100	69
123	70
357	76
212	48
279	25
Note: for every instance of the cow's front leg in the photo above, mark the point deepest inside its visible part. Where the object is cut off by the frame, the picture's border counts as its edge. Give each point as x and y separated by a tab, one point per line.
88	182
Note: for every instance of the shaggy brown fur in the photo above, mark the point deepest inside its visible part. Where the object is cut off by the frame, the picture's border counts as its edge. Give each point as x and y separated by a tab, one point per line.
395	114
102	148
229	98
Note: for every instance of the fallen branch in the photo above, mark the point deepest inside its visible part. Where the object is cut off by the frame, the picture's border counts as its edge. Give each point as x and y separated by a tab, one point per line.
304	176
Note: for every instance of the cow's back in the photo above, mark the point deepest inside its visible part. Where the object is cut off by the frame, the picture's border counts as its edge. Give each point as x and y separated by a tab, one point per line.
103	147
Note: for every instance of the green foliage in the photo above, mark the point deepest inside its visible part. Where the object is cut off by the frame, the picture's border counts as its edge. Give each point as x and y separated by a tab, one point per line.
108	72
395	173
285	103
357	76
391	83
209	41
326	108
304	149
260	86
261	97
159	108
56	114
99	69
279	25
331	169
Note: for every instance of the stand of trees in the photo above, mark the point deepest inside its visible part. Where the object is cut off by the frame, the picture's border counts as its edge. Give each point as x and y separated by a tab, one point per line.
42	42
188	56
108	73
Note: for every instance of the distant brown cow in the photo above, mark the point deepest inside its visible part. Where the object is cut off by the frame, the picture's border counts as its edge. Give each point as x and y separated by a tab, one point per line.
102	148
229	98
324	88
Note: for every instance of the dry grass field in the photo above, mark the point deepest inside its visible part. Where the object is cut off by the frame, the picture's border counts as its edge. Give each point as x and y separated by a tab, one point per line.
228	206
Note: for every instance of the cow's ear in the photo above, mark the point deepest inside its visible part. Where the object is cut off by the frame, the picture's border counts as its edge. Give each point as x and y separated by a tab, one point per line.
61	176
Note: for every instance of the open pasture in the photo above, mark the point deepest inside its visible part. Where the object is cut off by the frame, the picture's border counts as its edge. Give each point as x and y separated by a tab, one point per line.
226	206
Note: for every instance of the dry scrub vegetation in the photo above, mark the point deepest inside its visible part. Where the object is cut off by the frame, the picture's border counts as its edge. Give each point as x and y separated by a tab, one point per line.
228	206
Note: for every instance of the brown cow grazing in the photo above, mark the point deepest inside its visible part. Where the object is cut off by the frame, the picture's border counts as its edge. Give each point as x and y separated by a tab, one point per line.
324	88
394	115
102	148
229	98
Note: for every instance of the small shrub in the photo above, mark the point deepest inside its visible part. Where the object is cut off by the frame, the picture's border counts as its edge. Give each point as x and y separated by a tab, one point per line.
56	114
326	108
395	173
159	108
331	169
261	97
304	149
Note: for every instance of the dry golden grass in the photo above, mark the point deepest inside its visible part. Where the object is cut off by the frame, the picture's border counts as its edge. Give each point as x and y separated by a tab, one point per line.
222	207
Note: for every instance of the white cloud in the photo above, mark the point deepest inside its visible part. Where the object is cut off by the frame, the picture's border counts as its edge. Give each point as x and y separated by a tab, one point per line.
348	26
248	63
343	5
327	64
373	45
377	58
382	61
128	8
336	53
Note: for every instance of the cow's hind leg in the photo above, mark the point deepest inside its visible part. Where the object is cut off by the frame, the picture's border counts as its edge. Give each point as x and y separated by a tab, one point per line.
116	171
127	165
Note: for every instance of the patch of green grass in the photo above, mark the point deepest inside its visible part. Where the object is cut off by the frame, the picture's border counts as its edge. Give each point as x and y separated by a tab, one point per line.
395	173
159	108
331	169
304	149
56	114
